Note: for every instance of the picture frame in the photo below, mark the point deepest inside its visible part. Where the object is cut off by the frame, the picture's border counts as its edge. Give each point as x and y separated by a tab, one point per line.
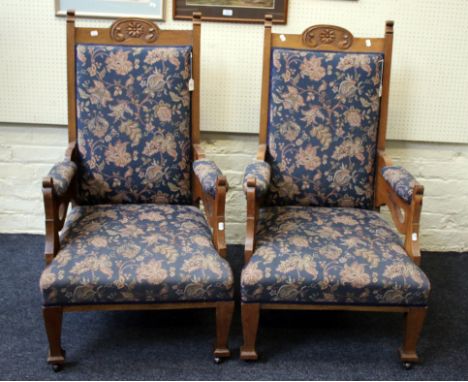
242	11
113	9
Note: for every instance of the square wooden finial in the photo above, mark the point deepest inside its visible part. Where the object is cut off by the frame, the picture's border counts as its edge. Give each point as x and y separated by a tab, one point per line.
389	26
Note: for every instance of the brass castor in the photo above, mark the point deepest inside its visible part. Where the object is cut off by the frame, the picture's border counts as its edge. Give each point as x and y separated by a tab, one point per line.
217	360
407	365
57	362
57	367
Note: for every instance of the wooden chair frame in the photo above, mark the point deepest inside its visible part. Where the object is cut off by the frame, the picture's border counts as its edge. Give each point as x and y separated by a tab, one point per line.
56	206
406	216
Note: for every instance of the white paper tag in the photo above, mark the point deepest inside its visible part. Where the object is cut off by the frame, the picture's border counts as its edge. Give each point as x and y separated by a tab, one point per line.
368	43
227	12
94	33
283	37
191	85
414	236
221	226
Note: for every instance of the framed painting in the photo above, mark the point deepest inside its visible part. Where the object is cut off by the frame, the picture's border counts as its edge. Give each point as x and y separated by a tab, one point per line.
246	11
145	9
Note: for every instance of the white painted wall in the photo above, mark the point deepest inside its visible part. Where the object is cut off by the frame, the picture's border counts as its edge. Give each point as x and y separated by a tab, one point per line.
429	76
27	153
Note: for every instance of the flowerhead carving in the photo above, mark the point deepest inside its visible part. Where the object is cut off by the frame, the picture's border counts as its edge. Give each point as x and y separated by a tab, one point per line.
125	29
327	35
135	29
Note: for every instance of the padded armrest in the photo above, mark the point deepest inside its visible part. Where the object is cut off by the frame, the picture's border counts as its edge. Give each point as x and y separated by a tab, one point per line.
261	171
401	181
207	173
62	174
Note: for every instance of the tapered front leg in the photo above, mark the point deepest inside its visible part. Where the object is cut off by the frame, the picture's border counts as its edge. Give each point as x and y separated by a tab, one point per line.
224	312
53	325
250	318
413	326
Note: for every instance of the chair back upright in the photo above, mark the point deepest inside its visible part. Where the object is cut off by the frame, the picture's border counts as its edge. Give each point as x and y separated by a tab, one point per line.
133	111
324	114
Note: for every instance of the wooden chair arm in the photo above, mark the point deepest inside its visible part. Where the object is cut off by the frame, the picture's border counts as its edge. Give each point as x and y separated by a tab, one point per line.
215	208
251	219
55	208
253	206
219	216
405	216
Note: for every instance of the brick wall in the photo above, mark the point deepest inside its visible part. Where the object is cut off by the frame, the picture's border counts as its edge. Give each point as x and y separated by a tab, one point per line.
27	153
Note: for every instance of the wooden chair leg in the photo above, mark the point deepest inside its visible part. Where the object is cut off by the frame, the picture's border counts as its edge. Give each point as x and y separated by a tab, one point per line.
413	325
250	317
53	325
224	313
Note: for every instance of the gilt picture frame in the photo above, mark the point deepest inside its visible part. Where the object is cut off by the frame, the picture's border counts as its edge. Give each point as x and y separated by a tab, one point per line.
242	11
113	9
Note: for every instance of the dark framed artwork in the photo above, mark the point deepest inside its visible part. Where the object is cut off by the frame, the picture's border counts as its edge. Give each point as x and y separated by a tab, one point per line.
243	11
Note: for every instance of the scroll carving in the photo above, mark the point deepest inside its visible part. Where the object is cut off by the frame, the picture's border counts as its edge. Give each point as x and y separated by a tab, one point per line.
141	29
327	35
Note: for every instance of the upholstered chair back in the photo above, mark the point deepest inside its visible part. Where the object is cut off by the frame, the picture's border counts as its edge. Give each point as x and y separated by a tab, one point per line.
322	127
133	123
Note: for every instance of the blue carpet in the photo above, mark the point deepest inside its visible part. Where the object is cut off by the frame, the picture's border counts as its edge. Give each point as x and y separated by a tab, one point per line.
176	345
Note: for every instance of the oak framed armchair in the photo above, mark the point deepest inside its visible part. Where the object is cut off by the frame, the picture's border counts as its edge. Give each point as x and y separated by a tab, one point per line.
314	239
134	172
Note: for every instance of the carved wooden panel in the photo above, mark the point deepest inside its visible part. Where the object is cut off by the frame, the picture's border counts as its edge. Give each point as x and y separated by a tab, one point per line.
327	35
125	29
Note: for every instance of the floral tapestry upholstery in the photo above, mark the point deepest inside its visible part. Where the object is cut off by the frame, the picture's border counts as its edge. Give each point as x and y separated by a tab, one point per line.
207	173
401	181
133	121
62	174
136	253
261	171
320	255
324	114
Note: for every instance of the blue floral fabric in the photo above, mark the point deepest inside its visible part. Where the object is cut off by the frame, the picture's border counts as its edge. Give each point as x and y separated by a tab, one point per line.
62	174
320	255
401	181
207	173
261	171
133	122
324	114
136	253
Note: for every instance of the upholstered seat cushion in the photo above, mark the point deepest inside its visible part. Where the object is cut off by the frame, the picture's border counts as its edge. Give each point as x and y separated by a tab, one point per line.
320	255
136	254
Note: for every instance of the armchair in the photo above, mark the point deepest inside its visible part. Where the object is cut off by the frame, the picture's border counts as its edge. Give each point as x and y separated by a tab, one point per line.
314	237
134	239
